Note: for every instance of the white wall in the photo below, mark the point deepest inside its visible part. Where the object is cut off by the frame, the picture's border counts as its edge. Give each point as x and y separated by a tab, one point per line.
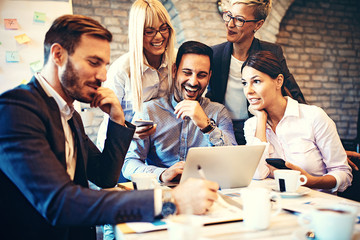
14	73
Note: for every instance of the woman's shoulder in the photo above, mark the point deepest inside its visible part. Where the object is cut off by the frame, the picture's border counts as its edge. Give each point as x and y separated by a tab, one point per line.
221	46
119	68
266	45
251	121
312	111
122	62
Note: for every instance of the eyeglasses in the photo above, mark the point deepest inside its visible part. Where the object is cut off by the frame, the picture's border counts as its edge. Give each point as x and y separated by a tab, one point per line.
151	32
238	21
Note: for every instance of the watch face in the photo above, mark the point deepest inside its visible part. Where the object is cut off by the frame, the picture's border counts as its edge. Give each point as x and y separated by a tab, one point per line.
212	122
168	208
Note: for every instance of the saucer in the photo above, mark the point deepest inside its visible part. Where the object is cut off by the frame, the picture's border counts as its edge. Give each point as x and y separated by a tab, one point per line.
300	234
300	192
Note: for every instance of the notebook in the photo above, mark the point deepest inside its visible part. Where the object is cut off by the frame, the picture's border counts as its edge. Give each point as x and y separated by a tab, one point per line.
229	166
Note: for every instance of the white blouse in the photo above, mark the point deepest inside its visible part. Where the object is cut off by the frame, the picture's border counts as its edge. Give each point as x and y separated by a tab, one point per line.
306	137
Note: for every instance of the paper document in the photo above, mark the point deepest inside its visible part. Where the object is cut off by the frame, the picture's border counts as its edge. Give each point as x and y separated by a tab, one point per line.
222	211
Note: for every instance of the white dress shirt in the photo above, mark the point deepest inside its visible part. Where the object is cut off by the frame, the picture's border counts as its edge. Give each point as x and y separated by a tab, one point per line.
154	85
66	113
306	137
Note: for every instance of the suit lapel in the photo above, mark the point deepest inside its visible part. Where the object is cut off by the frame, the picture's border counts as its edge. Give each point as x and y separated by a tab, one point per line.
255	46
54	112
54	115
80	171
225	68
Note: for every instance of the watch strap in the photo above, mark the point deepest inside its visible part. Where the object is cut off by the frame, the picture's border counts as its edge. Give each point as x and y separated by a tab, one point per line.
211	126
168	203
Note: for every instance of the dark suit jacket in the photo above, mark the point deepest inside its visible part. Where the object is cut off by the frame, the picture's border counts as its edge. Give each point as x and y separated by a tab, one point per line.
39	200
221	67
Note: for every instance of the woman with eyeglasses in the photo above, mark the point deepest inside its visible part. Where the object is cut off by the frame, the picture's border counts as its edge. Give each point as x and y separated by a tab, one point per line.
243	20
303	135
144	73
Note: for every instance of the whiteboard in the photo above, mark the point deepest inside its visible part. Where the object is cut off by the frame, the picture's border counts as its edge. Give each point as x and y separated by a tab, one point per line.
13	73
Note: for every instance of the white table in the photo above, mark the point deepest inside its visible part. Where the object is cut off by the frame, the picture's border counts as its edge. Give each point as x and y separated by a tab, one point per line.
283	226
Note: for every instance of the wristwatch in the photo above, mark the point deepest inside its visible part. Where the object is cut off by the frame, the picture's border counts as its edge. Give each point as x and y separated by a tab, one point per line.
168	203
211	126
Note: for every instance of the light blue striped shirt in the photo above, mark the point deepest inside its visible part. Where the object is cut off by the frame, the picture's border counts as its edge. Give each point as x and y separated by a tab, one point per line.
174	137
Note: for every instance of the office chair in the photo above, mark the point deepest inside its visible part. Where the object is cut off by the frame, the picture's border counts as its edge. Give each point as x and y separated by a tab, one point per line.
353	144
353	192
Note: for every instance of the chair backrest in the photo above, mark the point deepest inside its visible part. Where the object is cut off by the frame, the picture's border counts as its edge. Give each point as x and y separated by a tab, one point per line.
358	127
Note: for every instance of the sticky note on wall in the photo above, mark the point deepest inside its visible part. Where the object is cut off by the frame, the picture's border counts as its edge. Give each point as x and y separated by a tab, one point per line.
24	81
23	38
12	56
36	66
39	17
11	24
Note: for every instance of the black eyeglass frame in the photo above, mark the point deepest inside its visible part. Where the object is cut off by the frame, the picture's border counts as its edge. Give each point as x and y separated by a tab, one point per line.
166	29
240	19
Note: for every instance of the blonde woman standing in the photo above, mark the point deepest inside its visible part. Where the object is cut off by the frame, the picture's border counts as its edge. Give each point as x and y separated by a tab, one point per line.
144	73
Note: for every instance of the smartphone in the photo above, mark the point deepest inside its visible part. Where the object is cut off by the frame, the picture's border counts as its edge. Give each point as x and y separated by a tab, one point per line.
277	162
141	123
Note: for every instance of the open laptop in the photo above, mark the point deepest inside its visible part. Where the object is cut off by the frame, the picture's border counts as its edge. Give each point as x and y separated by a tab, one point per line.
229	166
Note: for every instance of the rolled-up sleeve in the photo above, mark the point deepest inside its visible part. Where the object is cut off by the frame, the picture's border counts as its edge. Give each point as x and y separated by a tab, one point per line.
334	155
262	171
223	134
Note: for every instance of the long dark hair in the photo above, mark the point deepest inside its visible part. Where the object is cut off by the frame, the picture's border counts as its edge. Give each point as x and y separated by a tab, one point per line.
266	62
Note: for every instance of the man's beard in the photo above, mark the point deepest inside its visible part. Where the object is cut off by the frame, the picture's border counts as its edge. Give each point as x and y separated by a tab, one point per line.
180	93
70	83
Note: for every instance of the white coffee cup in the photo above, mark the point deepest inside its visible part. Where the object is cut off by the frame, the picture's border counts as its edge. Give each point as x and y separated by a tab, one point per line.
184	227
257	207
330	223
289	180
143	181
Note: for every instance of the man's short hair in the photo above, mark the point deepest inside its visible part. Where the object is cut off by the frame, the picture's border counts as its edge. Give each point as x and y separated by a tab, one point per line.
68	29
261	8
194	47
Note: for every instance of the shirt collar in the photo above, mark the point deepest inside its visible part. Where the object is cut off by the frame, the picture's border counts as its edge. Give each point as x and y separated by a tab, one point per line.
65	110
162	65
292	108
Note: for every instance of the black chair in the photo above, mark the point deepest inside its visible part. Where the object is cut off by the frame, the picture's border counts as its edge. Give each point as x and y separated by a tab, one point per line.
353	192
353	144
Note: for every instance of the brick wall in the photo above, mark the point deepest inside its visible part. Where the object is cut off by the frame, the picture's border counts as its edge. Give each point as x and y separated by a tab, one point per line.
113	14
321	42
320	39
201	21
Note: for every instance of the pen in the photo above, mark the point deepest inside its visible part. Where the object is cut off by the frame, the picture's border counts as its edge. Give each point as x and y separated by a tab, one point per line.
202	174
223	200
292	211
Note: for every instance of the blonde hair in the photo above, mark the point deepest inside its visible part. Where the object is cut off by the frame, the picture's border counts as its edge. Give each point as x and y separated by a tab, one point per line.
262	8
146	13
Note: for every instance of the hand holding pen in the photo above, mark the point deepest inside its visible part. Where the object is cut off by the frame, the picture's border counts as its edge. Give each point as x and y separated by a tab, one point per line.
222	200
195	196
